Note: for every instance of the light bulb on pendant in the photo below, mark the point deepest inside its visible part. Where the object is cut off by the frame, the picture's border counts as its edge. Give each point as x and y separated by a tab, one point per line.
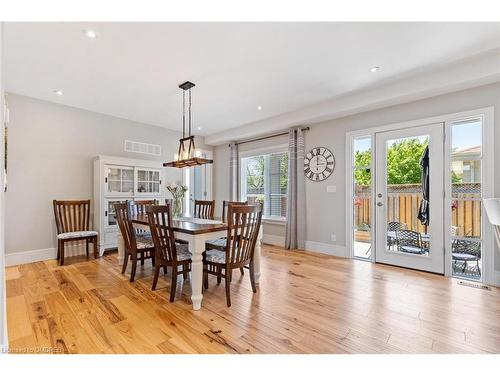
197	153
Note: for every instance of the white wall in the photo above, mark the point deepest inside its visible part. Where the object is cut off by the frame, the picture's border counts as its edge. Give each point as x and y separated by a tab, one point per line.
326	211
51	148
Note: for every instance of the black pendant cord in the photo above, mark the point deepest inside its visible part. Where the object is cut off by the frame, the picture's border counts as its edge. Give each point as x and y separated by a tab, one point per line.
189	112
183	114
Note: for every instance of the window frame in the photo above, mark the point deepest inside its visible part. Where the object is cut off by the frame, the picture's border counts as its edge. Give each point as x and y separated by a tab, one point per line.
266	151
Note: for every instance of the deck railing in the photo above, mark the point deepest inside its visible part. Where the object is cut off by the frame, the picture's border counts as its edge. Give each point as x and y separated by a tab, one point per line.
403	202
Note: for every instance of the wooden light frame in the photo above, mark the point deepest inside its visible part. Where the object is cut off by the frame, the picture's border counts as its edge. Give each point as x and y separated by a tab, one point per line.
187	158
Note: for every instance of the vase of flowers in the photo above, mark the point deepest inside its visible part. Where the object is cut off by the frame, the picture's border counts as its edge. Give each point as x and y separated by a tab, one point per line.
177	192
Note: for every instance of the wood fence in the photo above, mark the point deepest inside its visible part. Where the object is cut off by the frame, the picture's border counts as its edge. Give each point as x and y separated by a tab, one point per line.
403	202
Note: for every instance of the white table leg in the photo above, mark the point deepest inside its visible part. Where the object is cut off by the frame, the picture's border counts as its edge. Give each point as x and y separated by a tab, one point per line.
196	246
256	256
121	248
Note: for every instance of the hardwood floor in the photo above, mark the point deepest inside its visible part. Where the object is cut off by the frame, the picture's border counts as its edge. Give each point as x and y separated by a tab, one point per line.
306	303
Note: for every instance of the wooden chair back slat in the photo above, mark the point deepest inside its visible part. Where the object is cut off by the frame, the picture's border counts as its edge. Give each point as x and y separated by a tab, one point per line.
125	225
72	216
139	207
160	225
243	229
204	209
226	204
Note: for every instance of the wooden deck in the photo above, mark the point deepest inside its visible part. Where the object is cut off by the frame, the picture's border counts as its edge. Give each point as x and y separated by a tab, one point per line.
307	303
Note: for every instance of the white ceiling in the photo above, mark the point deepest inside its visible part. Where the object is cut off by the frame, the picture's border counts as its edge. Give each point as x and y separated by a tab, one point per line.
132	70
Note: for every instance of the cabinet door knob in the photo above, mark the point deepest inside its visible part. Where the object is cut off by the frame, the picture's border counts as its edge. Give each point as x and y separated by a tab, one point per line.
380	204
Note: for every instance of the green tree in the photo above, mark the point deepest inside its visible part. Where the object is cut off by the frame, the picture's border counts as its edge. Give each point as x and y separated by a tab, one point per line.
403	163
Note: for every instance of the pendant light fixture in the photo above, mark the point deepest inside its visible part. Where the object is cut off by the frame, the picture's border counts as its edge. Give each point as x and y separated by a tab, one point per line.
187	155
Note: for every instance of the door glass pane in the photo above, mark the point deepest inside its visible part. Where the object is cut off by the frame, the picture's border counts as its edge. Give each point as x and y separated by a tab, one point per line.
128	175
362	213
127	186
114	174
362	226
114	186
407	229
466	165
111	218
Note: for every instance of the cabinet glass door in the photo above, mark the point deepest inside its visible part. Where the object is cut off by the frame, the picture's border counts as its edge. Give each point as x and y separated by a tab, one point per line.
120	180
110	214
148	181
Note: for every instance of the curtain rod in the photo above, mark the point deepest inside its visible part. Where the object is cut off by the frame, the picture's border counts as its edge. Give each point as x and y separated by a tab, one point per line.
267	137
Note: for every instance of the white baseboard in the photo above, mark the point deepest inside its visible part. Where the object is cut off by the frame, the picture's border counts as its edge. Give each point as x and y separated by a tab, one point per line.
326	248
318	247
39	255
271	239
497	278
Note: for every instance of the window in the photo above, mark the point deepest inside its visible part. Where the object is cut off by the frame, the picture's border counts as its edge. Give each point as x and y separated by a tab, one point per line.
466	198
265	180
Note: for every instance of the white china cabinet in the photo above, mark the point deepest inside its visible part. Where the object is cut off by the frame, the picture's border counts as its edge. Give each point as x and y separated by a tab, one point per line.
117	180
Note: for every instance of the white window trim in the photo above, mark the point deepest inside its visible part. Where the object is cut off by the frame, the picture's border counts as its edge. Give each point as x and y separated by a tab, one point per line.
487	114
276	149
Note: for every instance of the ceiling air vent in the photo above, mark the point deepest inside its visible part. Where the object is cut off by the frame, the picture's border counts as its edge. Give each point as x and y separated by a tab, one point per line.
142	148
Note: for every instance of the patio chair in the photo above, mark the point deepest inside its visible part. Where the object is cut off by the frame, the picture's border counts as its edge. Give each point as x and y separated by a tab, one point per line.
392	228
409	241
466	251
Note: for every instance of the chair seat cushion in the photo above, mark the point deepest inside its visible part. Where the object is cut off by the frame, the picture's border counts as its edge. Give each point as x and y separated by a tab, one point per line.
464	256
215	256
411	249
217	244
79	234
144	242
182	252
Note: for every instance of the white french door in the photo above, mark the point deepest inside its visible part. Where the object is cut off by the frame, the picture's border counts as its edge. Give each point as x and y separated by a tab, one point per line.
401	238
199	182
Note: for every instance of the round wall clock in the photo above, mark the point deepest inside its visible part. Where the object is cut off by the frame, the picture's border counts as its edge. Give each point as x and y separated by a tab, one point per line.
319	164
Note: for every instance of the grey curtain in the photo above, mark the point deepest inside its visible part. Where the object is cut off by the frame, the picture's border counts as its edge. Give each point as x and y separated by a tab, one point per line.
234	173
295	212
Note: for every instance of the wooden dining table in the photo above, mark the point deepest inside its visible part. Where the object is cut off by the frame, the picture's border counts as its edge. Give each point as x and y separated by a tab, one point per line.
195	231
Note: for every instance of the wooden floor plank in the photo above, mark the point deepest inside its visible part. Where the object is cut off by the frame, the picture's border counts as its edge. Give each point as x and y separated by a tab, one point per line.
306	303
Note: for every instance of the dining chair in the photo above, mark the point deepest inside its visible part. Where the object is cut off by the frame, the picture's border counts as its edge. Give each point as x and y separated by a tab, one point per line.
392	228
135	244
73	224
243	229
466	250
409	241
168	253
139	207
204	209
220	243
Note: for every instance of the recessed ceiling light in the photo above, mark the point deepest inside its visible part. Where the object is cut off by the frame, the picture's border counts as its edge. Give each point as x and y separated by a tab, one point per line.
199	127
58	92
374	69
91	34
259	108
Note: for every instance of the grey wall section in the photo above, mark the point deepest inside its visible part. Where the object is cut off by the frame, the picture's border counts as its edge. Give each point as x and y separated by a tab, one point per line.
51	149
3	298
326	211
